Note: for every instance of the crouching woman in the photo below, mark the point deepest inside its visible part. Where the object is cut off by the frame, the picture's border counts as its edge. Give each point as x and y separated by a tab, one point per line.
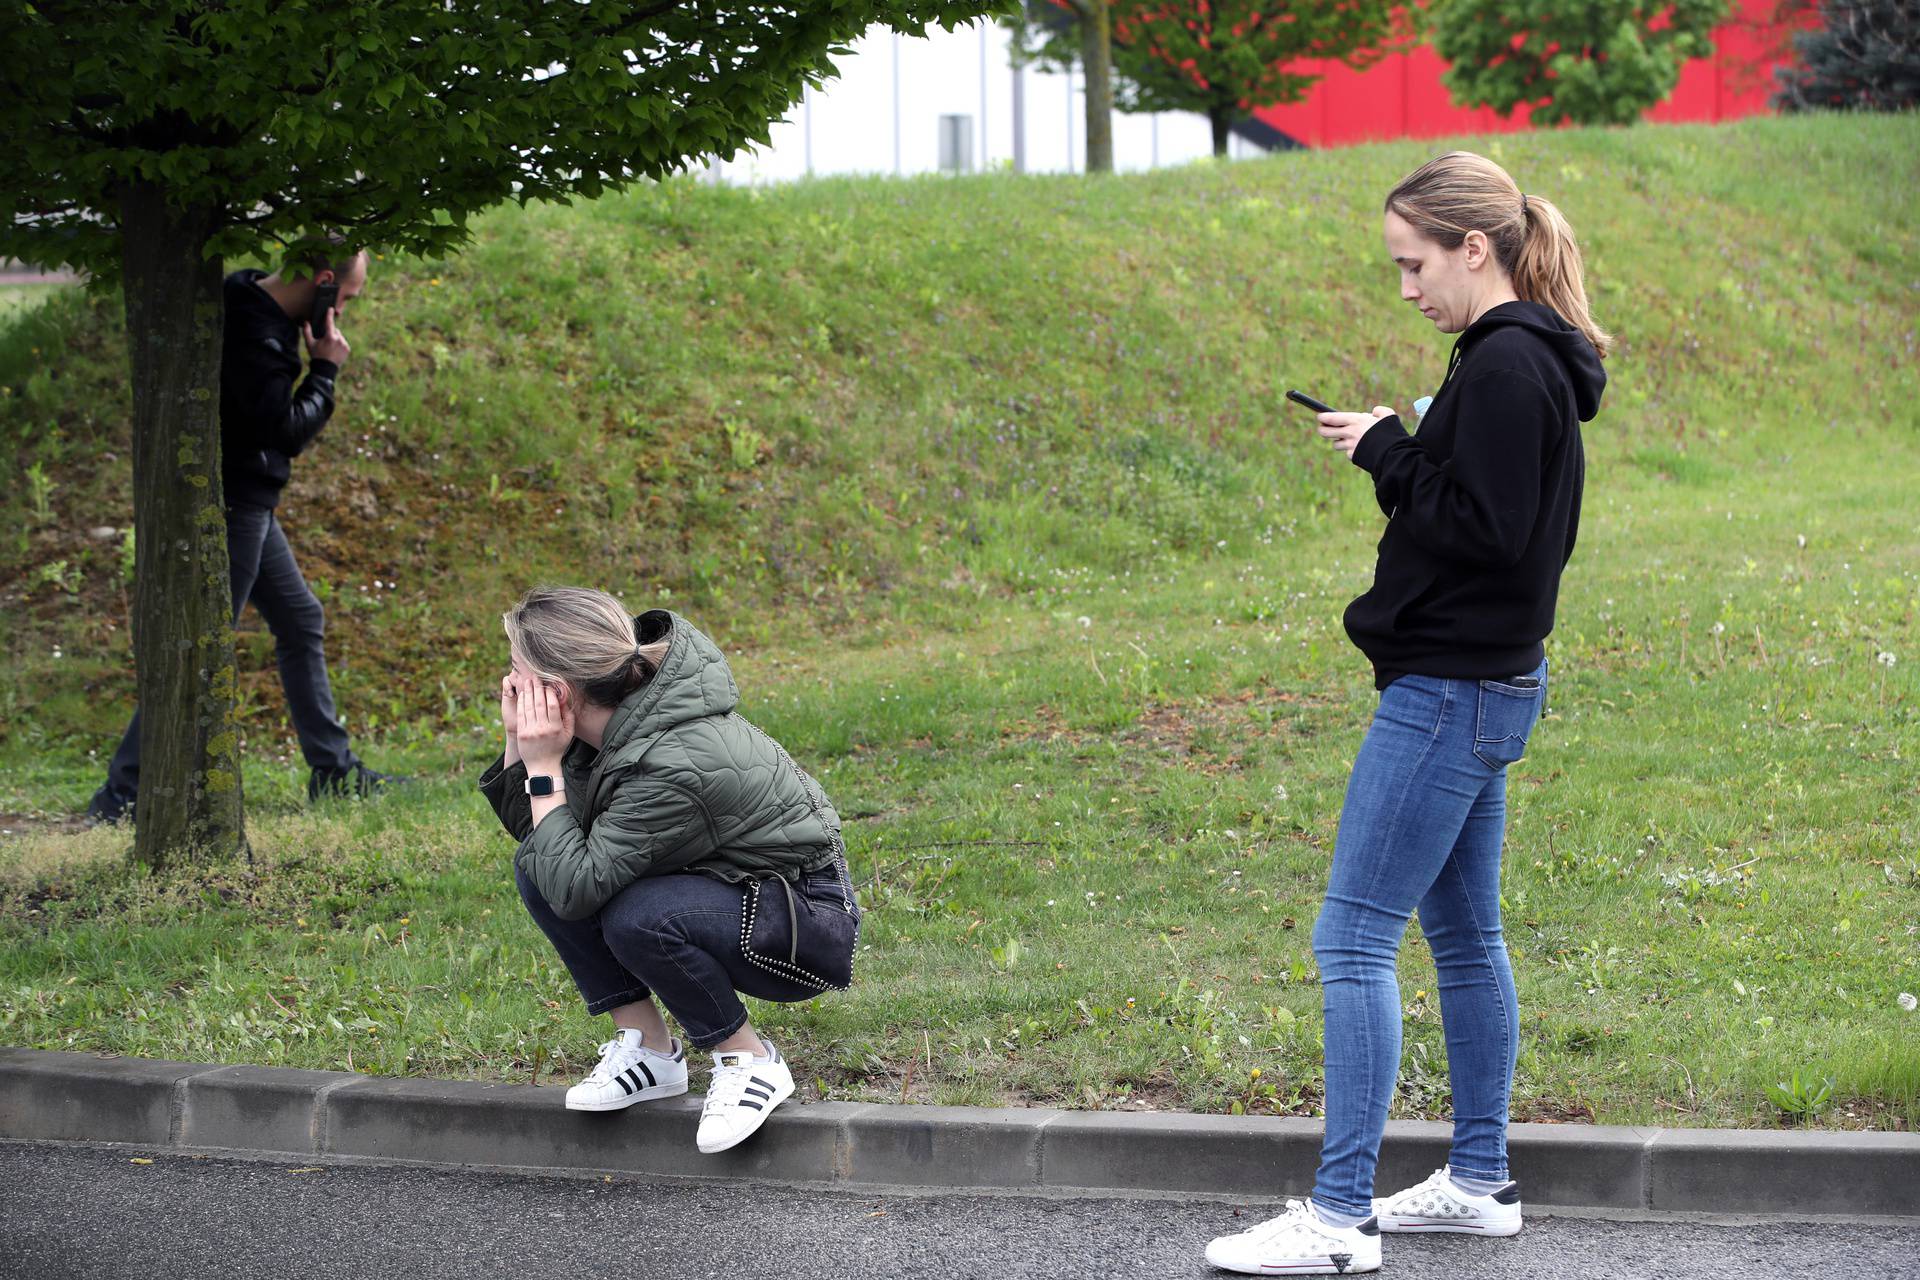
668	848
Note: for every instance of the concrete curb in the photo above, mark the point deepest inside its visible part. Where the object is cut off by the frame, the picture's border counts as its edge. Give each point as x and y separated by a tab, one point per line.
93	1098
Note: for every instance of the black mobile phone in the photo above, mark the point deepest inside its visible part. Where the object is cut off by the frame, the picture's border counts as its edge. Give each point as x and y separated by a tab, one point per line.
325	297
1303	399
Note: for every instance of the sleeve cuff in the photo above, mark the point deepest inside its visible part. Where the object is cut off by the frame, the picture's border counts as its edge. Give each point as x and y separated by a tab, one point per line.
1379	438
323	369
499	774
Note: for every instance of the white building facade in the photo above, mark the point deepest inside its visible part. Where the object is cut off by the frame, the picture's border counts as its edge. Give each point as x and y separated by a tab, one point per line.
953	102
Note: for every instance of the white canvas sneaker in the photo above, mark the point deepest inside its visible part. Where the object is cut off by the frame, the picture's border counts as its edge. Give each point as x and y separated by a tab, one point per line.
1297	1243
1438	1205
629	1072
744	1090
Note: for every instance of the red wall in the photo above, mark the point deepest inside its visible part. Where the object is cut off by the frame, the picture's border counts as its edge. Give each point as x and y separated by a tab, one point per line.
1402	97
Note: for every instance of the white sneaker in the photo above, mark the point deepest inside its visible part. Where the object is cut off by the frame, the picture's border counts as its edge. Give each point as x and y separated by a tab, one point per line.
1297	1243
629	1072
743	1091
1438	1205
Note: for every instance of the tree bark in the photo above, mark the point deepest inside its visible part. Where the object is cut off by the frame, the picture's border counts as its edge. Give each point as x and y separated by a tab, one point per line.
1222	127
190	800
1096	57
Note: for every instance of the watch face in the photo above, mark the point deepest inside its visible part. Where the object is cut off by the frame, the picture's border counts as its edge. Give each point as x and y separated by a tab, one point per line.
540	785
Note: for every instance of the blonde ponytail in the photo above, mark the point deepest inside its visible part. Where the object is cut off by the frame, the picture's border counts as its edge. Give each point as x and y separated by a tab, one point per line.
1549	270
1460	192
584	639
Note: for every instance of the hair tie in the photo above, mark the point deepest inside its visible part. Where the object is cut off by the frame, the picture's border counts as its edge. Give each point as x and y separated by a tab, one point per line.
1523	204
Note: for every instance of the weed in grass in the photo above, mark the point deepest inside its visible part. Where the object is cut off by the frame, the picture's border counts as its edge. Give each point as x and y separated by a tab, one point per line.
1801	1098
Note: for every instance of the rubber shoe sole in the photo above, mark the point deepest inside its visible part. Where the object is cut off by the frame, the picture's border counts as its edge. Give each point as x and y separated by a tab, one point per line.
1410	1225
672	1090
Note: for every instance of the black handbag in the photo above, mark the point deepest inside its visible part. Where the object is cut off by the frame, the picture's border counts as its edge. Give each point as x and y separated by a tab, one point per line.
806	934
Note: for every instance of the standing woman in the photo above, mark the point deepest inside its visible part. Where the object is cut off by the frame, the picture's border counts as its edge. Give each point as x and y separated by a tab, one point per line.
1482	504
667	848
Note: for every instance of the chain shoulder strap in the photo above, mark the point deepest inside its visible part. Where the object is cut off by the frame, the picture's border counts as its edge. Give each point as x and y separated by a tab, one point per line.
816	800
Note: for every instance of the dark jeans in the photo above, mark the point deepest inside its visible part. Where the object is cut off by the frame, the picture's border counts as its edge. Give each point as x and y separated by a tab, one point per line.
674	936
264	573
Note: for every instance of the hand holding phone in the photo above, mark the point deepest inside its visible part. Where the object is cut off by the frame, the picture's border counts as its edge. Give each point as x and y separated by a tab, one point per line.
325	298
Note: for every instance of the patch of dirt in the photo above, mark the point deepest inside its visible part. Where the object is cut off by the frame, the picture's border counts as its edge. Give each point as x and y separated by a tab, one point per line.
1208	735
1551	1111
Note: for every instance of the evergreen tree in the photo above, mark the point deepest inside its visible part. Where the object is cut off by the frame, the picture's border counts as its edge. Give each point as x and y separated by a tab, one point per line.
1865	54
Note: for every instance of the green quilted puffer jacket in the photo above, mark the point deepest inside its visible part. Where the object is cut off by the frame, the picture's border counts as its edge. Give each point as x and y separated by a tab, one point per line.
681	783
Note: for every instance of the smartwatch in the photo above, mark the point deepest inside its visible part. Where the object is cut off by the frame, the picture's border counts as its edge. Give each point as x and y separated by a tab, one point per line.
543	784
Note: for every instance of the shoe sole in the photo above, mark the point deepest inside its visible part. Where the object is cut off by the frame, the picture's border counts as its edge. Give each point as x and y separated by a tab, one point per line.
1303	1267
632	1099
1419	1226
779	1097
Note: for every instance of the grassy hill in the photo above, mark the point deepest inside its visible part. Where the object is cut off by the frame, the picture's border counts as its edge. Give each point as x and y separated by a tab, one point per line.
988	485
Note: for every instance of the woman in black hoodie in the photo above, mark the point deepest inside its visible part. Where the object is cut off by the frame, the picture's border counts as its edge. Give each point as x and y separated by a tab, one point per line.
1482	503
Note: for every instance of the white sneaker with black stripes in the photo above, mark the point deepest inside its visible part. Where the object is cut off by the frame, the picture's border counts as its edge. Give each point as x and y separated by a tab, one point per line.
744	1091
630	1072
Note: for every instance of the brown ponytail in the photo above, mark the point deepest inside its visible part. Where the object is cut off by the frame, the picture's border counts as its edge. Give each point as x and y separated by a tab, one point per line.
1460	192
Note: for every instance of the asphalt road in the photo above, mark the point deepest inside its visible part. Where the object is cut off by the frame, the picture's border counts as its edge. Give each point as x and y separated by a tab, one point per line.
72	1212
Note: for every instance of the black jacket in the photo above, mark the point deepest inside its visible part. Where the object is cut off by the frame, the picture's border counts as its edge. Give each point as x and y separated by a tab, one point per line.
1483	503
264	418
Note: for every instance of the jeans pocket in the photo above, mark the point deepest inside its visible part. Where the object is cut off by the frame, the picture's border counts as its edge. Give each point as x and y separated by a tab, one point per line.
1506	716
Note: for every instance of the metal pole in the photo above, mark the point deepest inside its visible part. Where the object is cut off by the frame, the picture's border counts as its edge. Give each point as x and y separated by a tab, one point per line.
1069	79
983	96
896	104
1019	118
806	125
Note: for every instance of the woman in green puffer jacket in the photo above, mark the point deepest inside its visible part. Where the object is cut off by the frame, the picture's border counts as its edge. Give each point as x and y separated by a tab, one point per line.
667	847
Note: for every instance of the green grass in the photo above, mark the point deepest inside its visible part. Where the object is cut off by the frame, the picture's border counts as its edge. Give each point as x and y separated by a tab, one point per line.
986	487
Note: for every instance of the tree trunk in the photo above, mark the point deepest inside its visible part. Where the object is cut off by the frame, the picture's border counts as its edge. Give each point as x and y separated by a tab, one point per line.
1222	125
1096	57
190	801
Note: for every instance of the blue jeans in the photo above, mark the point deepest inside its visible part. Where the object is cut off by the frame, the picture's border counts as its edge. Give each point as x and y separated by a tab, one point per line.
1422	827
674	936
263	572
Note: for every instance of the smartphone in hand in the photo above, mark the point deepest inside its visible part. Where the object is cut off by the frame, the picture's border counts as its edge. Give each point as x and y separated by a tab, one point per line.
1303	399
325	298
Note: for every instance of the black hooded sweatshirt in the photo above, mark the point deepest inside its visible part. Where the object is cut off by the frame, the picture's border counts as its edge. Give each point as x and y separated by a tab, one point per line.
264	418
1482	503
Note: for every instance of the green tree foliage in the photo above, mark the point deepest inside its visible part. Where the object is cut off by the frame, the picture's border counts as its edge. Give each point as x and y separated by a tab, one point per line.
1864	54
1227	58
145	142
1579	61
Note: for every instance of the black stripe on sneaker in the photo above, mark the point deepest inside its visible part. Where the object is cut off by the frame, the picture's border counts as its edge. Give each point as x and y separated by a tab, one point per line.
646	1071
761	1094
626	1090
762	1083
756	1106
628	1077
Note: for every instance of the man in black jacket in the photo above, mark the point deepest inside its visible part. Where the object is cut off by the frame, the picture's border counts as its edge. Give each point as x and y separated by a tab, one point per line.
268	414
